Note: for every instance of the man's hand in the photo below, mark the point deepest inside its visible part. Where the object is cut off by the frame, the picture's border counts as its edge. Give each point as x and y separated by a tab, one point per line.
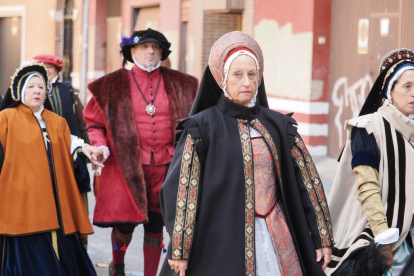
324	254
180	266
96	155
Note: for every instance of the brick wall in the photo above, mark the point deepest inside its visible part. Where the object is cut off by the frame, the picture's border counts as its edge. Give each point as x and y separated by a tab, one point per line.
215	26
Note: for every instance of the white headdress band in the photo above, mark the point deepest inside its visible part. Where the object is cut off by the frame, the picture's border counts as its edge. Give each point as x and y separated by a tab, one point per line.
395	78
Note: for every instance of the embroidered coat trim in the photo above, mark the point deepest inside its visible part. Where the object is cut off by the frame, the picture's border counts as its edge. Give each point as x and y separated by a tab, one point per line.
266	135
191	205
313	184
249	197
186	201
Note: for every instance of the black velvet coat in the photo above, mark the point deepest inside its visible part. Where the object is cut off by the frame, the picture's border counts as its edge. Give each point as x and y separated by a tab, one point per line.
214	238
62	102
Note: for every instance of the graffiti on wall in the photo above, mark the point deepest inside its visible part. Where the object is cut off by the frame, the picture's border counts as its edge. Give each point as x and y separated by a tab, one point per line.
345	96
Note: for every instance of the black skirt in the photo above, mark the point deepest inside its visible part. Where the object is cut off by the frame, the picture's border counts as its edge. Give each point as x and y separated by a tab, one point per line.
34	255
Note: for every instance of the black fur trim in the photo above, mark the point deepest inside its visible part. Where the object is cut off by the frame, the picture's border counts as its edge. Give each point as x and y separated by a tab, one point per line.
371	260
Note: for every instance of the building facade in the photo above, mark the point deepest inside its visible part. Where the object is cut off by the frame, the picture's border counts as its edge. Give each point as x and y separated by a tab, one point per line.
362	33
29	28
321	56
294	36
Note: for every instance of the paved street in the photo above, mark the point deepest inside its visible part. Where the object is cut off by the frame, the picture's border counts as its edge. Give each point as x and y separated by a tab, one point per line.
100	242
100	248
327	167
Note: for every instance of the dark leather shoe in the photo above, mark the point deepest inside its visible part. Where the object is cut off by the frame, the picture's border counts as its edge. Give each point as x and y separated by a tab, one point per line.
117	270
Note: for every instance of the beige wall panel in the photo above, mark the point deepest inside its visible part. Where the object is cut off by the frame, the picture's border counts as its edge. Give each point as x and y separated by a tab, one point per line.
288	60
113	39
174	38
196	33
407	23
148	18
224	4
248	17
77	43
185	10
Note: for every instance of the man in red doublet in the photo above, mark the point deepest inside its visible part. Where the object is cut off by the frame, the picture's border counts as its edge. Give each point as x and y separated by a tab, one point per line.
131	118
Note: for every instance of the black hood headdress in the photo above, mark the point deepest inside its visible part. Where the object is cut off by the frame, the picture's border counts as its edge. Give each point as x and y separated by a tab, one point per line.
14	92
390	63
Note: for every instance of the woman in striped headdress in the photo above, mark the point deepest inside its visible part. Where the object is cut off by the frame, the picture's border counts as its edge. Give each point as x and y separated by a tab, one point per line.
372	198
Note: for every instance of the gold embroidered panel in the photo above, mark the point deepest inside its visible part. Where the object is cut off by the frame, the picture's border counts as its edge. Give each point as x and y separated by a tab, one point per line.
269	141
186	201
313	185
249	197
191	206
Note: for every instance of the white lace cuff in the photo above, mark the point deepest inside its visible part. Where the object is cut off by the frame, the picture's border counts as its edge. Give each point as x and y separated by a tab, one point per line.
390	236
107	150
76	143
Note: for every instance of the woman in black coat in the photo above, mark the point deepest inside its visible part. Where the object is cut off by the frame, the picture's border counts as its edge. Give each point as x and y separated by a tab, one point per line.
242	195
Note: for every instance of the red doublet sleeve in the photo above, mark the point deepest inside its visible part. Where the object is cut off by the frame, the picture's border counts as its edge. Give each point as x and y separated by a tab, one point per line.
96	124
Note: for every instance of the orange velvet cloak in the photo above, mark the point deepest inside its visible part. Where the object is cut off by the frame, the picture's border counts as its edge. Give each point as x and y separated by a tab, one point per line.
27	203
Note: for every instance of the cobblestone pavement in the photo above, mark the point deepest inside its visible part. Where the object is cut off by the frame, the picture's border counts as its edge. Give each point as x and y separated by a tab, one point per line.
100	243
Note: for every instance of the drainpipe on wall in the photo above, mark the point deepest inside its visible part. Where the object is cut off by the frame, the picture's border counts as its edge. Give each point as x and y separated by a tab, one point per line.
84	61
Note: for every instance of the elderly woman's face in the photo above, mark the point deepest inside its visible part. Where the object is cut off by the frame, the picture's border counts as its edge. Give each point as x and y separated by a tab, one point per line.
241	80
35	93
403	93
